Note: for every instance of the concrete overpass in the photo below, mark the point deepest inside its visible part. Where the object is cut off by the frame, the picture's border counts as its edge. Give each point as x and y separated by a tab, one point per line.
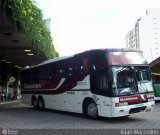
14	49
15	53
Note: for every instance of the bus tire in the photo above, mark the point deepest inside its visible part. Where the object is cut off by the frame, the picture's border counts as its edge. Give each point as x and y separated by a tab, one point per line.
91	110
35	103
41	105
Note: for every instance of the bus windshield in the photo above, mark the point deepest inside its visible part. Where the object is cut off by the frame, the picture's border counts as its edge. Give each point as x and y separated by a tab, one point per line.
125	57
131	80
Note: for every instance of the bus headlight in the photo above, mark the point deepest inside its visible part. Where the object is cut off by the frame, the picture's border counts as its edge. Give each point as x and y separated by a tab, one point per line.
121	104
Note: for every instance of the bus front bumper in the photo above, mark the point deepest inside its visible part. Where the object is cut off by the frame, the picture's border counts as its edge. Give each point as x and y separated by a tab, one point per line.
131	109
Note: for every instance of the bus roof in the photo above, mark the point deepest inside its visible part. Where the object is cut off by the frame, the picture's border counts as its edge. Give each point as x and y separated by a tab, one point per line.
123	50
85	52
113	50
49	61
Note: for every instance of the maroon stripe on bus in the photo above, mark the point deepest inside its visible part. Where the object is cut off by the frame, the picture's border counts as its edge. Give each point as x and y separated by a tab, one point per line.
67	85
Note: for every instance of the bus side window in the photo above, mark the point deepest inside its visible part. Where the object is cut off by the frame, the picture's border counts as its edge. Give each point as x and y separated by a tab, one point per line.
62	69
59	71
69	70
51	71
43	72
85	65
104	84
28	76
78	67
56	70
94	83
99	83
97	61
34	75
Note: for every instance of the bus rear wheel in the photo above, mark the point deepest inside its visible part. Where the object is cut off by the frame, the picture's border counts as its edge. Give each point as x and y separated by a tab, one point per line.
91	110
41	105
35	103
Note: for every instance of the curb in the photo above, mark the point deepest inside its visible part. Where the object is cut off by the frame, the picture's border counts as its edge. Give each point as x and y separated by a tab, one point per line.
10	102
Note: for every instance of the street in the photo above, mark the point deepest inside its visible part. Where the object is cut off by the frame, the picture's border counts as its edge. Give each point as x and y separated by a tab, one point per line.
19	116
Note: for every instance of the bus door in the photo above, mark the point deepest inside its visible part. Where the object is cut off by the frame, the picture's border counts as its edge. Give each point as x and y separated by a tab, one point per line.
100	87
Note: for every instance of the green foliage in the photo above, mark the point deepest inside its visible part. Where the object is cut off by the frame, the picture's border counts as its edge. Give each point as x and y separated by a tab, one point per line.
28	17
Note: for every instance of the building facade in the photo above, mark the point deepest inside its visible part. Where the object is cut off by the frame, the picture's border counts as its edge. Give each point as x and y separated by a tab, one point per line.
146	35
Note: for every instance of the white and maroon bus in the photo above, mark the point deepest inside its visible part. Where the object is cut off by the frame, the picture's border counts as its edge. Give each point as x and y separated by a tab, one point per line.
101	82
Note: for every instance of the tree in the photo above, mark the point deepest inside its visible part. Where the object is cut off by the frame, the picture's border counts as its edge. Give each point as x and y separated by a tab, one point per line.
29	21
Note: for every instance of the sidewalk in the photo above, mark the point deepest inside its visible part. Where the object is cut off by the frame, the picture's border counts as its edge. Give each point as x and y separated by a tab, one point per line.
10	103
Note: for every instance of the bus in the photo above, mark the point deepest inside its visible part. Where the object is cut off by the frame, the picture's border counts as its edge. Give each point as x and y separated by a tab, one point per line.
100	82
156	85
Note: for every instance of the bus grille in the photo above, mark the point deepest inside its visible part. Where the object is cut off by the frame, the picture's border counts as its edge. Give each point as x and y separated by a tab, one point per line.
136	110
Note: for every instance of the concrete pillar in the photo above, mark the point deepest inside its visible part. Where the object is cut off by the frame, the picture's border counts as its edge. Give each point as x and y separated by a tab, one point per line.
7	71
4	74
4	78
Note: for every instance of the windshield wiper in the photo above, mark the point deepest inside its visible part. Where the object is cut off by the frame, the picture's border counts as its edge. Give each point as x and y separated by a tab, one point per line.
146	90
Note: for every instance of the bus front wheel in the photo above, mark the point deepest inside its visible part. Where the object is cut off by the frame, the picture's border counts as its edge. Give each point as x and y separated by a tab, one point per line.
91	110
